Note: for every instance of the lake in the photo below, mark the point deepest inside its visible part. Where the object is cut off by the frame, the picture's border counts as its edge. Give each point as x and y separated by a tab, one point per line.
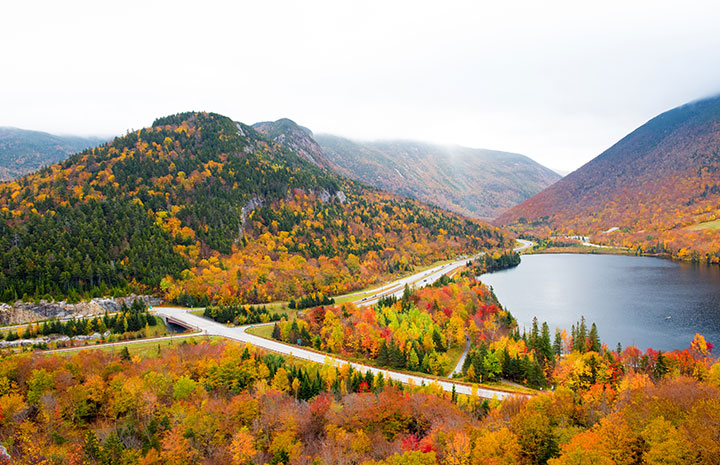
629	298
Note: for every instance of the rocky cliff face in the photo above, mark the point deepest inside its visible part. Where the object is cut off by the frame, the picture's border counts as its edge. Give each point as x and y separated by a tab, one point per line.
21	313
296	138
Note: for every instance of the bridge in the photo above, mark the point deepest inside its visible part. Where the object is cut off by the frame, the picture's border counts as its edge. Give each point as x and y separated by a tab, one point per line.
169	319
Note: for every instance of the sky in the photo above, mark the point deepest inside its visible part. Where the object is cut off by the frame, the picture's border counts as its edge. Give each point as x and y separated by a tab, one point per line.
557	81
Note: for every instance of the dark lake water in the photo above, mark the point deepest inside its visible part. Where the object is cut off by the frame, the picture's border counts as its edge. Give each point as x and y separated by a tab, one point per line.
629	298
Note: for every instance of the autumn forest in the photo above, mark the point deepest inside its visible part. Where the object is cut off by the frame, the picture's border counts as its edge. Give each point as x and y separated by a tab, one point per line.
378	342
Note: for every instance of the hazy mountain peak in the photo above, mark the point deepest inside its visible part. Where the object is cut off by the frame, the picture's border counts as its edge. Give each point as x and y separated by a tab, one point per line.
297	138
23	151
476	182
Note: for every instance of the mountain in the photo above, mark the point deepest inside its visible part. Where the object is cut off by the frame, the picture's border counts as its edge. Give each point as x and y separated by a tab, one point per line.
297	138
473	182
200	208
657	189
23	151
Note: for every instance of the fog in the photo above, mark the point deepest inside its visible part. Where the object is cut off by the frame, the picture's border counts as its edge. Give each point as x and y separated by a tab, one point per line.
557	81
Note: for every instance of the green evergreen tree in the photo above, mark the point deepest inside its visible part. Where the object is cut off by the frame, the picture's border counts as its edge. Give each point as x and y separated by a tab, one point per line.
545	346
558	343
660	369
582	335
383	356
595	345
533	340
276	332
437	339
396	356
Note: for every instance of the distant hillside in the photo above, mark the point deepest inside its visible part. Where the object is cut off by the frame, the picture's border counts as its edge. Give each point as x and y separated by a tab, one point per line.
200	208
23	151
659	186
474	182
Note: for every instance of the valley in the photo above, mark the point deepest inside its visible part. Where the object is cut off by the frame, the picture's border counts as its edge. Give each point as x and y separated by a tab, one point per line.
377	300
327	233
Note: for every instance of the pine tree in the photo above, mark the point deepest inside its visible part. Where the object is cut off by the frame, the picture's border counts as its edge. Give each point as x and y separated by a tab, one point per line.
506	363
125	353
305	336
534	335
437	339
369	379
661	368
594	339
397	358
383	358
582	336
276	332
545	345
558	344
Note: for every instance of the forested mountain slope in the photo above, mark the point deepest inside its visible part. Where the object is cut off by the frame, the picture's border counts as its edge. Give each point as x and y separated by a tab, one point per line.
659	186
473	182
203	208
23	151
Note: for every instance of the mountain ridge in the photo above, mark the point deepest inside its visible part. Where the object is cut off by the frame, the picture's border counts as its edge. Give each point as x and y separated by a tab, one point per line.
652	185
200	208
23	151
474	182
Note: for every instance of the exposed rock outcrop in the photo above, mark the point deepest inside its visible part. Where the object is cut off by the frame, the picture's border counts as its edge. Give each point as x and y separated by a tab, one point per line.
21	313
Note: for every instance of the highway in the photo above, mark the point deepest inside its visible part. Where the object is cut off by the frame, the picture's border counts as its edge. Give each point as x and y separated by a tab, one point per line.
240	333
396	288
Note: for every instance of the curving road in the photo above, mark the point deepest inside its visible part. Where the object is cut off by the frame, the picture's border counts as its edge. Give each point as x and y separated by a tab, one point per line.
396	288
525	245
240	333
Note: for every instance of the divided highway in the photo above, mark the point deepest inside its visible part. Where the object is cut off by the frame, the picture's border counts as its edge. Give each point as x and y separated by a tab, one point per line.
240	333
209	327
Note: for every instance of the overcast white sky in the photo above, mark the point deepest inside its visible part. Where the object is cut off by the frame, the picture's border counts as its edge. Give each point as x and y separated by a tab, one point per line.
557	81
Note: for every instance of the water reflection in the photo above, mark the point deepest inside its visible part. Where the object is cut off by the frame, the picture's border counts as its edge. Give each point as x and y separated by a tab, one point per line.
645	301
